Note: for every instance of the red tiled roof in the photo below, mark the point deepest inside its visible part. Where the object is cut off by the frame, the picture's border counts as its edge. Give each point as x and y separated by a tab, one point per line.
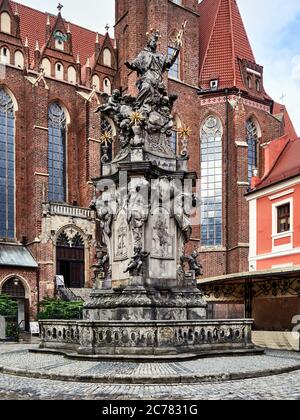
286	166
223	41
33	25
289	129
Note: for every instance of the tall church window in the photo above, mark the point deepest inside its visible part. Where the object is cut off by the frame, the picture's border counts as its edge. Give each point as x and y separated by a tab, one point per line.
252	140
174	71
211	182
57	153
7	166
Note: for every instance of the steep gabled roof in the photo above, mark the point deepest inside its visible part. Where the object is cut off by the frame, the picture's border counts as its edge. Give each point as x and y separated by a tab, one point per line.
223	43
280	112
33	25
286	166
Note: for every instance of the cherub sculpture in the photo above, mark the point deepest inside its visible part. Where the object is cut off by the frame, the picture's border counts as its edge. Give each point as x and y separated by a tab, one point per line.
111	103
135	266
193	263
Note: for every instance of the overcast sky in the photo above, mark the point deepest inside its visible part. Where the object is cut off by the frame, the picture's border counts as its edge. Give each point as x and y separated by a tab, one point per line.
273	27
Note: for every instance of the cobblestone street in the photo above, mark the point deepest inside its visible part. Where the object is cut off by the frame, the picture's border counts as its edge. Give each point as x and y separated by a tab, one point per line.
282	387
285	386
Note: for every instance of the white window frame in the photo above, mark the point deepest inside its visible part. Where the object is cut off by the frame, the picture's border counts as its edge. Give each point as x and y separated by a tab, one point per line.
290	233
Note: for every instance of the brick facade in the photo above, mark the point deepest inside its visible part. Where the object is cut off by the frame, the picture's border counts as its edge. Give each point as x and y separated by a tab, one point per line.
33	92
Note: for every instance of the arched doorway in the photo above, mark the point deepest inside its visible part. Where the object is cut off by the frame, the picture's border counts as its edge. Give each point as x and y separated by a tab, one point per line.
16	290
70	260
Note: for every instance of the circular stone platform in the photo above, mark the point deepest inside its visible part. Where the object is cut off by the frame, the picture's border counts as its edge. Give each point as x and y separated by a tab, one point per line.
20	362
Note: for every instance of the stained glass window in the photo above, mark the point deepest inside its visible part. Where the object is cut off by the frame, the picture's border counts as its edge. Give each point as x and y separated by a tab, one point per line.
57	153
211	182
7	166
252	140
174	71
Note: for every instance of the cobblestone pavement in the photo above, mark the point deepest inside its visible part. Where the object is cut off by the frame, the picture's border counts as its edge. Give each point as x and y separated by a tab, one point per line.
17	360
282	387
285	386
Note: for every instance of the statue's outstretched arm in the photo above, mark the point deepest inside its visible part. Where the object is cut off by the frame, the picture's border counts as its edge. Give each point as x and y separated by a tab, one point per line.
131	66
172	60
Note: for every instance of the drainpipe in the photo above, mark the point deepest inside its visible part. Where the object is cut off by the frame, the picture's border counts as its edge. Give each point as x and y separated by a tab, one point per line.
227	181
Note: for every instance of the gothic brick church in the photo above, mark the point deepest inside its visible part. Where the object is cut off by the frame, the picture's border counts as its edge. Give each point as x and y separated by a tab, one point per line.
52	74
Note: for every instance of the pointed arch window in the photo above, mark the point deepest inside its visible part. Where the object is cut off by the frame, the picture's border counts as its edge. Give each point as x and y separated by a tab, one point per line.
211	182
174	71
7	166
57	153
5	21
252	140
107	57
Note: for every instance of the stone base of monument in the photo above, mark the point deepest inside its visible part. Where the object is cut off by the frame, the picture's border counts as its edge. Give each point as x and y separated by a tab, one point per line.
147	339
142	322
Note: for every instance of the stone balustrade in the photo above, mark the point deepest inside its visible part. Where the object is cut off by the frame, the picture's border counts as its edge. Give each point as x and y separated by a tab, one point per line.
68	211
146	338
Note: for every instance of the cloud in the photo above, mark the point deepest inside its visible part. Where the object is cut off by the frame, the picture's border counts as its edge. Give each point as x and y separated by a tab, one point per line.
274	33
296	67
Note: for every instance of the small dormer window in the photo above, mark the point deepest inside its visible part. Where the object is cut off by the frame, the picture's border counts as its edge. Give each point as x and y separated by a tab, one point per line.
214	84
249	82
60	40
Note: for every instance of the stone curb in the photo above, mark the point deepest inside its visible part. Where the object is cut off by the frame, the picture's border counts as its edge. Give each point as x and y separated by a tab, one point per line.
142	380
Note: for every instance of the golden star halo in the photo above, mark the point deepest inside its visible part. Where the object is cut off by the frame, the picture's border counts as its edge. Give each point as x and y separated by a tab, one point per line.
136	117
184	132
106	137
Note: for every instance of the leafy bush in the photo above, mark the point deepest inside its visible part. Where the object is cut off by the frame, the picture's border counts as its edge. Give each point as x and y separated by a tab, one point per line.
8	307
12	330
59	309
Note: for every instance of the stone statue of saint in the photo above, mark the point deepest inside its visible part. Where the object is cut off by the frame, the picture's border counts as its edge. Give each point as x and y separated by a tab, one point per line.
150	65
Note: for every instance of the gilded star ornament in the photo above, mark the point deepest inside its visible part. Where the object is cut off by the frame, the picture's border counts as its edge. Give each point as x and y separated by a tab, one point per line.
106	137
184	132
136	118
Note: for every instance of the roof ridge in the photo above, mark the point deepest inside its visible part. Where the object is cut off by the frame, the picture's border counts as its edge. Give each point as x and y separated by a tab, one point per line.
232	43
278	157
55	16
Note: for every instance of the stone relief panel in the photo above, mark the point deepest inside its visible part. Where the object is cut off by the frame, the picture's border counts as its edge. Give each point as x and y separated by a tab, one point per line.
121	237
162	235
